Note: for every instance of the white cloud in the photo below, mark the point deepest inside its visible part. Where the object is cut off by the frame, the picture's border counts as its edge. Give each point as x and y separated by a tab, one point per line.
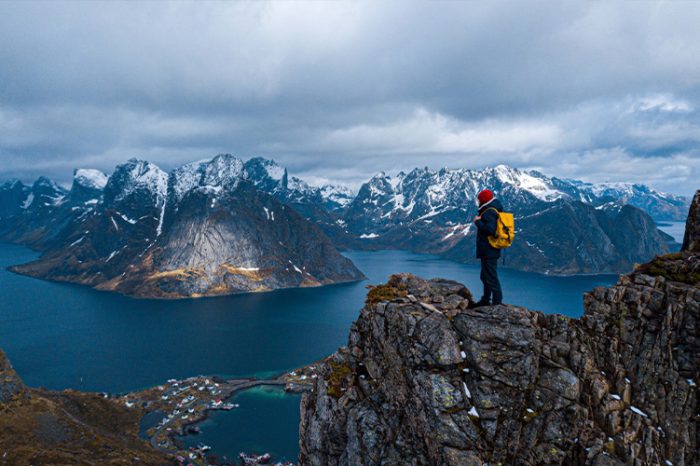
425	132
660	102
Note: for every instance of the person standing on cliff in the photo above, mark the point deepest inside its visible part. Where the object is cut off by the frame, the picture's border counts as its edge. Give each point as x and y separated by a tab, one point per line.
486	222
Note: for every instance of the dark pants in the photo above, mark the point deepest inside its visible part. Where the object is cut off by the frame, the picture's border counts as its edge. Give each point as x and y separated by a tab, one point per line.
489	277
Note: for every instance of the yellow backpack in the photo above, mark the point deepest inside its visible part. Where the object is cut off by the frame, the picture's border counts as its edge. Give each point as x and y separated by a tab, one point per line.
505	230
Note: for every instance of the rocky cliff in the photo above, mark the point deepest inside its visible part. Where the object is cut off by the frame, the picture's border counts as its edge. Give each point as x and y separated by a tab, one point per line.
426	380
691	241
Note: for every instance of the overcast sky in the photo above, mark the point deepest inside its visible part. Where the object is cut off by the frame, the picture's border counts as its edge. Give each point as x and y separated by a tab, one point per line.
595	90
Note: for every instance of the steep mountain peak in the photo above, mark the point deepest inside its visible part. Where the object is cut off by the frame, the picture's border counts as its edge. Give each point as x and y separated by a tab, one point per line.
185	178
297	184
224	171
136	176
90	178
88	185
338	194
12	183
260	168
46	192
539	187
44	183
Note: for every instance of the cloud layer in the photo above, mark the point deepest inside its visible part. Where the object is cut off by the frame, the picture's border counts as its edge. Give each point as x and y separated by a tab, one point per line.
603	91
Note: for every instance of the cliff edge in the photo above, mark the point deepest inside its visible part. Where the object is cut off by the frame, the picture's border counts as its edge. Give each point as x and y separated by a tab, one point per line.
426	380
691	240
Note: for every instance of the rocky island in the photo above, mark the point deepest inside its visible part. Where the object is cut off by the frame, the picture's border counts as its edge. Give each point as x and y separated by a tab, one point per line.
202	230
427	380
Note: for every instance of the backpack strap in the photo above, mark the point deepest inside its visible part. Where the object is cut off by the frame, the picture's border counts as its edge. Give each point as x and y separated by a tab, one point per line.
495	210
498	219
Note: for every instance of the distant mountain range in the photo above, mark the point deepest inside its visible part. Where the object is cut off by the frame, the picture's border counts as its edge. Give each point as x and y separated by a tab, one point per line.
224	225
562	226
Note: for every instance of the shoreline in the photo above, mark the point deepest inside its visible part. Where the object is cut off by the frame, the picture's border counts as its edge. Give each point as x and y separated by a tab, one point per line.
188	402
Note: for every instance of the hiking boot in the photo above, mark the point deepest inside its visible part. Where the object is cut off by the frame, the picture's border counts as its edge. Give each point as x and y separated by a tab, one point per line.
480	303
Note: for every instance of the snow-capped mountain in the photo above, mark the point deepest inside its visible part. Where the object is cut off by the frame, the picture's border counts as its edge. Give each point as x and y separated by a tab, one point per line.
270	177
565	226
337	196
441	197
432	211
88	185
322	206
34	214
203	229
661	206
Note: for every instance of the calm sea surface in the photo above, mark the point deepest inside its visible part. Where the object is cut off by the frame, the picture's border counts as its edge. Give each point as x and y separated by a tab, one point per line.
69	336
675	229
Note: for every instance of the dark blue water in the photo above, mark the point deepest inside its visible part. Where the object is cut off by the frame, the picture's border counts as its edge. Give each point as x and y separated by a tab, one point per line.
68	336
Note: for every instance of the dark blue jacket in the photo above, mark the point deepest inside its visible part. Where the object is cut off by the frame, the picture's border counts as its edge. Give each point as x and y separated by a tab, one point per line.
487	227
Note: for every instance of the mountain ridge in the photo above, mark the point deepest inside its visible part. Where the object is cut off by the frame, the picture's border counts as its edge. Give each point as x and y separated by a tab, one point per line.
564	227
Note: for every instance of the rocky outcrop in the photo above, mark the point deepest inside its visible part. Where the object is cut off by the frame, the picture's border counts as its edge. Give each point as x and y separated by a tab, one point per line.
691	240
425	380
11	385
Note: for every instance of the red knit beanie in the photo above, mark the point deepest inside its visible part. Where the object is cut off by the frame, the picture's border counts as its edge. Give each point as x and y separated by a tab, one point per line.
484	196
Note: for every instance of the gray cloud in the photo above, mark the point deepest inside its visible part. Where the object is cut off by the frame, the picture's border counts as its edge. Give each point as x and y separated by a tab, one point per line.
603	91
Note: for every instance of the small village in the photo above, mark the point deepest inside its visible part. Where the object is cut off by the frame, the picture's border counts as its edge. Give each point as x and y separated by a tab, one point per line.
185	403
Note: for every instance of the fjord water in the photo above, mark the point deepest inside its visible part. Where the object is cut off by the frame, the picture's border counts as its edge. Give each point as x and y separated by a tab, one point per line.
69	336
675	229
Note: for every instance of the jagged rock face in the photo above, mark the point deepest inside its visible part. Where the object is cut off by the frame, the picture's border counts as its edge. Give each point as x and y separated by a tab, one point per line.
41	216
13	195
11	386
322	206
88	186
268	176
202	230
691	240
424	380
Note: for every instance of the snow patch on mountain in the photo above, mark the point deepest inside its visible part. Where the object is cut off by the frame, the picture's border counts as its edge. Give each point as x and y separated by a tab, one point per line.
141	175
28	201
538	187
341	195
90	178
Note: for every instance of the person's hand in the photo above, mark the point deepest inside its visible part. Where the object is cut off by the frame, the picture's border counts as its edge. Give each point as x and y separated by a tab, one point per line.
477	218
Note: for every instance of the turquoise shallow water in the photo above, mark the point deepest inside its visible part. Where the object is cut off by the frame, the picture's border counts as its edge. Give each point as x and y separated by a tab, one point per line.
68	336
